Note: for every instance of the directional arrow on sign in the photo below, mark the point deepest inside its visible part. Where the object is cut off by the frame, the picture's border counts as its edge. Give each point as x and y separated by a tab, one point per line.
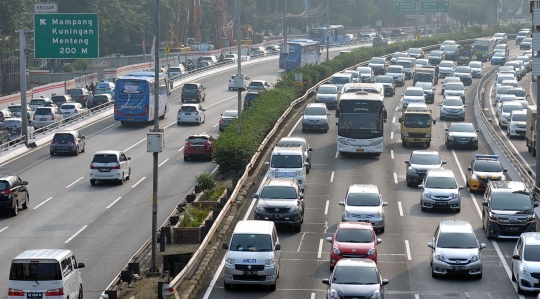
42	22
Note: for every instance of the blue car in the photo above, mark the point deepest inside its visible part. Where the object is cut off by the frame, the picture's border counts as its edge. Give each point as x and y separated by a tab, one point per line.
499	58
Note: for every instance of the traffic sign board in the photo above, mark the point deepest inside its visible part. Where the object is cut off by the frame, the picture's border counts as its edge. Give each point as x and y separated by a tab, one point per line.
45	7
67	36
404	7
443	7
167	50
434	7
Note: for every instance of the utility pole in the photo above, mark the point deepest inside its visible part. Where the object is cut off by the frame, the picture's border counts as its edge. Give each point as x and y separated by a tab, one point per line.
535	6
22	76
327	38
327	12
286	52
416	8
239	75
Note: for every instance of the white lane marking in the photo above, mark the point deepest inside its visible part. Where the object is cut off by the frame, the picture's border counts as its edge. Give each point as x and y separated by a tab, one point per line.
138	182
416	296
393	119
74	182
319	253
180	149
215	125
300	245
395	178
163	162
337	153
326	207
113	202
214	279
397	109
332	177
294	127
46	200
391	135
312	296
473	198
134	145
400	208
392	154
78	232
101	130
1	230
409	257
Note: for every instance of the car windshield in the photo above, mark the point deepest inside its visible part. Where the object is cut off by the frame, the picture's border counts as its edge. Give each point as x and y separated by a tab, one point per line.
510	108
451	79
527	40
37	102
414	51
293	143
251	242
501	78
12	123
462	69
100	99
394	70
70	106
230	113
468	128
104	158
499	54
448	42
175	70
414	92
506	98
421	62
341	80
63	137
14	108
440	182
517	92
435	54
355	275
363	199
506	201
412	120
454	86
279	192
378	60
451	48
487	166
515	117
353	73
498	35
75	91
188	109
475	65
397	55
425	159
286	161
327	90
532	253
384	79
35	271
197	139
364	70
453	102
456	240
446	64
106	85
190	86
315	111
350	235
43	111
424	85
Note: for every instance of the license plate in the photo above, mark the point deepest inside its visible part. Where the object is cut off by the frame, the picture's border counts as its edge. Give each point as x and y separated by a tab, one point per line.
42	119
34	295
63	147
131	118
251	273
458	267
463	142
513	229
359	150
363	221
187	113
417	139
441	203
104	169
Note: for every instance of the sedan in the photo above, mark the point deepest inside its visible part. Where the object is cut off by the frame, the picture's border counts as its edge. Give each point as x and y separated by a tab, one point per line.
452	107
477	69
446	68
355	278
227	117
526	43
413	95
353	240
388	83
461	135
464	73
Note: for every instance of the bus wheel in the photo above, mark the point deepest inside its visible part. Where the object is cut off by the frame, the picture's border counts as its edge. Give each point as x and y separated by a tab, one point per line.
428	144
404	143
122	122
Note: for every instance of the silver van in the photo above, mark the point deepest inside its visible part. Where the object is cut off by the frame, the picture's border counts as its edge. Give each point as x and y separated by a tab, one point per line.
253	254
45	273
288	162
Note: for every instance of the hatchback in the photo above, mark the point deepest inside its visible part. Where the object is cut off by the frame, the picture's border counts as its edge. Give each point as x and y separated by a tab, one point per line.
199	145
193	92
355	278
526	262
110	166
363	203
517	124
455	250
102	100
440	189
45	116
59	100
191	113
315	117
448	80
505	110
353	240
73	111
68	142
13	194
452	107
477	69
227	117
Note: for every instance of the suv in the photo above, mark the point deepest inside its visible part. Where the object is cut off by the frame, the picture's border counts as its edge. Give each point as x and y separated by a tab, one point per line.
517	124
455	250
440	189
193	92
398	73
484	168
59	100
68	142
80	95
13	194
46	116
110	166
363	203
280	200
199	145
250	97
315	117
525	263
508	209
419	163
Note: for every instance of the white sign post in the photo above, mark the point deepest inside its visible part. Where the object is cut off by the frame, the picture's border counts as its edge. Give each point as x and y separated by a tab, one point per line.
46	7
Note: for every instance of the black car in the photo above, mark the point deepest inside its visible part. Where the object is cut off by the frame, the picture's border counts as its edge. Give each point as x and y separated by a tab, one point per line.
461	135
13	194
378	65
435	57
102	100
250	97
388	83
508	209
80	95
193	92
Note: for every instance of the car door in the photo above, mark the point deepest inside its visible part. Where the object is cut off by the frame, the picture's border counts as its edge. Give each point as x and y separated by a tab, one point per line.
518	249
202	91
22	191
434	241
80	140
124	163
76	278
68	277
277	253
202	113
58	115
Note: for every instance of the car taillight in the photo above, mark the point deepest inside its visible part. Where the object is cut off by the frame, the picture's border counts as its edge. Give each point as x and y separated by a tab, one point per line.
74	142
6	192
92	166
55	292
15	292
52	142
208	144
117	166
52	116
221	121
75	111
196	112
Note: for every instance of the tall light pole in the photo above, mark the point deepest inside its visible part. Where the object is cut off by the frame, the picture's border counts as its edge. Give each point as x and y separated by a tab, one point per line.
154	267
327	12
239	75
286	51
22	76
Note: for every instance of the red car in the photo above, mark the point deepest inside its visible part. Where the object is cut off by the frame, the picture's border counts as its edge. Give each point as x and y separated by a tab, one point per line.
200	146
353	240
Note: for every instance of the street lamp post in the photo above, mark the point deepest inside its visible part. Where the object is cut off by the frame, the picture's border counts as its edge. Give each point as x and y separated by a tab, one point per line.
286	46
239	75
22	76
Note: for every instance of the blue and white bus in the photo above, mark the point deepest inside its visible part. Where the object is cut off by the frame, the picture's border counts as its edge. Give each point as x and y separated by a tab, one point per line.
134	97
300	54
335	33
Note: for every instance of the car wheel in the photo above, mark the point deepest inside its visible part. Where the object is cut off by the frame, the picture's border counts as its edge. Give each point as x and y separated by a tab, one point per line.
83	148
513	275
26	202
273	287
81	293
15	210
129	174
186	158
93	182
121	182
381	230
178	123
227	286
298	228
448	147
433	274
76	151
52	153
458	210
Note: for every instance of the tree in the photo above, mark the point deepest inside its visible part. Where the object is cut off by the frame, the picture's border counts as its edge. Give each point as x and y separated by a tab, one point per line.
81	64
12	17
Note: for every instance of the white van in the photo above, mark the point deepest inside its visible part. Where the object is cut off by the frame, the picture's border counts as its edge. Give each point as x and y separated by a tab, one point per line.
288	162
341	79
45	273
253	254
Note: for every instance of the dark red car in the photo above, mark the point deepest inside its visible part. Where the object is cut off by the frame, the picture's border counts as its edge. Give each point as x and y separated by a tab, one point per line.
199	146
353	240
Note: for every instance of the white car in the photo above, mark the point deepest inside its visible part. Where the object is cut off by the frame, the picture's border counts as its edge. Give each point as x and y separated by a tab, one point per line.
398	73
446	68
234	85
232	57
525	262
259	85
477	69
505	110
445	43
315	117
501	98
517	124
73	110
110	166
413	95
191	113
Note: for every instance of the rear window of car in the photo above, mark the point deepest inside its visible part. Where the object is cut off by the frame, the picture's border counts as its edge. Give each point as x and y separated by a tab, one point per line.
75	91
188	109
15	108
4	185
103	158
101	99
59	99
37	102
43	111
59	137
250	97
12	123
68	107
190	86
102	86
42	271
256	84
197	139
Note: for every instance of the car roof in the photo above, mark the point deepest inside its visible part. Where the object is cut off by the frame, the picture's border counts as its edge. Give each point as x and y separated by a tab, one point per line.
519	111
328	85
443	172
426	152
355	225
414	88
253	226
288	182
190	105
278	150
108	152
531	238
316	105
67	132
357	262
508	186
56	254
363	188
451	98
455	226
263	81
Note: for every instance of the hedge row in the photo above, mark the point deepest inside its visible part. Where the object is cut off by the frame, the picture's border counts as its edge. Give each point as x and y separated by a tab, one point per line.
232	151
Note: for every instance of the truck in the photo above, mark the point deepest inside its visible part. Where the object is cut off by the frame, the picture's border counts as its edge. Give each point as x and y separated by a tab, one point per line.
530	132
466	55
428	73
484	48
416	122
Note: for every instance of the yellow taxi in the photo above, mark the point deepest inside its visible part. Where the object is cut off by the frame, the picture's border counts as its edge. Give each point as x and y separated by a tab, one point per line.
484	168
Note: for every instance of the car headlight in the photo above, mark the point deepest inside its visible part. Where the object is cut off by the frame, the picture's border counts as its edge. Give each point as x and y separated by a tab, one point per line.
454	195
343	141
474	177
335	250
475	257
259	208
229	262
412	170
269	262
371	251
405	134
427	195
333	294
439	257
298	173
376	295
293	209
523	271
451	137
347	213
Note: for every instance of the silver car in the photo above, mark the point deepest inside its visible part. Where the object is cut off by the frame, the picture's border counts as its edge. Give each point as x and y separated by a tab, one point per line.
412	95
315	117
355	278
363	203
73	110
328	94
46	116
526	263
191	113
455	89
14	128
477	69
506	109
455	250
16	110
446	68
452	107
440	189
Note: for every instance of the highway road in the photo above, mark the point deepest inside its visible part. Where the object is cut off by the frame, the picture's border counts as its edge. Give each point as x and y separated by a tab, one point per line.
104	225
403	254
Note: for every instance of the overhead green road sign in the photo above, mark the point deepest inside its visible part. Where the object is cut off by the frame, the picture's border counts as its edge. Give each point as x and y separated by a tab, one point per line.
443	7
58	36
404	7
434	6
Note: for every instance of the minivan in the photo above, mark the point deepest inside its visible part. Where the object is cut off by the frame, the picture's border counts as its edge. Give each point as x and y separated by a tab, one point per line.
46	116
288	162
341	79
253	254
45	273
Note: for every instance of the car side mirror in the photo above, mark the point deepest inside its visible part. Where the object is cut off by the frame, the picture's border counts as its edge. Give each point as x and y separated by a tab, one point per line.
341	203
482	245
516	257
83	137
310	149
402	93
461	188
225	245
326	281
536	204
329	239
469	169
485	203
399	120
25	183
440	104
277	247
464	105
256	196
302	196
379	241
434	121
407	162
80	265
204	109
384	204
306	164
505	170
328	113
430	244
384	282
267	163
446	130
420	186
336	123
443	162
129	158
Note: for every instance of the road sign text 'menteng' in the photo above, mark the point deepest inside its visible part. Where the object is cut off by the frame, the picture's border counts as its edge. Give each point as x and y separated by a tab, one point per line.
71	31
